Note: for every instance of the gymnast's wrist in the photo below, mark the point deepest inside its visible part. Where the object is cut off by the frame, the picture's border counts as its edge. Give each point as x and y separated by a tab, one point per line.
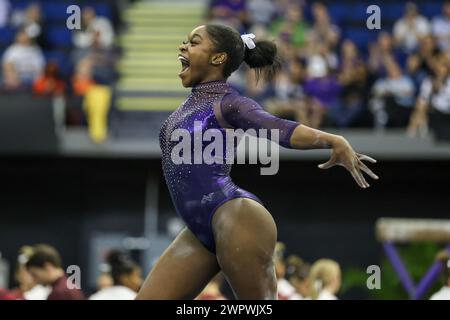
335	141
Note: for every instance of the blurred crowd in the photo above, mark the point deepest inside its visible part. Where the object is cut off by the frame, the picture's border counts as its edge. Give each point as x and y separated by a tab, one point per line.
47	59
39	274
400	80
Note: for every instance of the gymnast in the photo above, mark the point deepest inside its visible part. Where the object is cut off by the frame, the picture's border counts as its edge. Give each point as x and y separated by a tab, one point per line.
228	229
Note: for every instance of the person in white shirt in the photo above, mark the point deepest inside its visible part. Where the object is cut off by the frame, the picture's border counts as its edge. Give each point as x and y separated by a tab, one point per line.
444	292
96	30
393	97
440	27
127	279
25	58
433	103
325	278
411	28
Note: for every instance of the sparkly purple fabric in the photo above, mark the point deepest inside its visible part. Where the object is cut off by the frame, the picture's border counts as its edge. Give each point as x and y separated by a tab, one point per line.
197	190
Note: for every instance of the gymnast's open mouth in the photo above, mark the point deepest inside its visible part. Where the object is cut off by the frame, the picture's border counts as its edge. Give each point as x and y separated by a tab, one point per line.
185	64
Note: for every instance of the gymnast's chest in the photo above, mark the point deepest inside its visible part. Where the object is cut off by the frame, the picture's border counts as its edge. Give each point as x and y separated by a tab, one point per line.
187	119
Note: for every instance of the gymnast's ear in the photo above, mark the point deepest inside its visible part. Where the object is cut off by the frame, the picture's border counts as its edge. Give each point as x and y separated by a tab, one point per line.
219	58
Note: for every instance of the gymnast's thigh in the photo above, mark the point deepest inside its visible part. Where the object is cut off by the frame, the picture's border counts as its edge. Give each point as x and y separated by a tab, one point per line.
182	271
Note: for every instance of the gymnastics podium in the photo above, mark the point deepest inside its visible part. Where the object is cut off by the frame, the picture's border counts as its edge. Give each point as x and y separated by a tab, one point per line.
391	231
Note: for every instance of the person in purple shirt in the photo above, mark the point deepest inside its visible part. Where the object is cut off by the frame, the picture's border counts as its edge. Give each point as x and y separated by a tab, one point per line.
228	228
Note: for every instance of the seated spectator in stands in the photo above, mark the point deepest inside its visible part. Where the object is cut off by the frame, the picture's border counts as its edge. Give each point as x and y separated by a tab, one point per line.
51	82
126	275
323	33
352	76
325	278
32	22
93	28
322	91
288	97
298	275
292	27
393	97
28	289
409	29
231	12
212	290
261	12
4	13
440	27
285	290
444	293
45	266
23	58
433	103
420	64
83	80
380	52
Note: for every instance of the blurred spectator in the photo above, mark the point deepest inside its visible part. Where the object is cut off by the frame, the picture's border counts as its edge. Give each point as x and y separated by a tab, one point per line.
393	97
231	12
45	266
83	80
28	289
433	103
444	293
420	64
95	29
32	22
380	52
410	28
352	76
50	83
104	281
261	11
323	33
325	277
285	290
212	290
4	12
292	28
298	275
440	27
23	61
288	100
127	278
322	90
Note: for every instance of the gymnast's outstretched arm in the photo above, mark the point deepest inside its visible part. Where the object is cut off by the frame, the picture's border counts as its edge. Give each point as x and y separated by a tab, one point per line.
241	112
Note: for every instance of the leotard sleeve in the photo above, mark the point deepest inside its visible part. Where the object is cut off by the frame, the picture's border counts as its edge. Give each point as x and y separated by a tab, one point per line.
244	113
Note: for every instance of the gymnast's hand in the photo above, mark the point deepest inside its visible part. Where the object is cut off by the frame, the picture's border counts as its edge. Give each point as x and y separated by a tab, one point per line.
344	155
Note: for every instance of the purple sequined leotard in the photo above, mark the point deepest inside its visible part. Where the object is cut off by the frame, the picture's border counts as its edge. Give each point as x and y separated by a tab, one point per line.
197	190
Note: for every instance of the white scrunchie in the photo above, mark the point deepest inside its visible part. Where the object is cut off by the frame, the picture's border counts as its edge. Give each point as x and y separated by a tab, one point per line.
248	40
